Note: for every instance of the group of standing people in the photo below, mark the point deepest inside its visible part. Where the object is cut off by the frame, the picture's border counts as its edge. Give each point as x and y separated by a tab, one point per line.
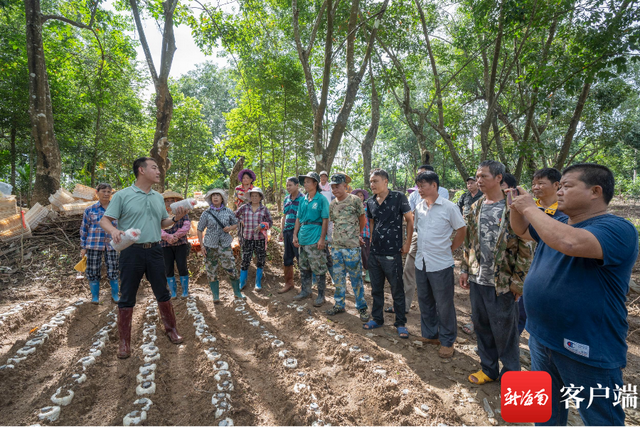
555	262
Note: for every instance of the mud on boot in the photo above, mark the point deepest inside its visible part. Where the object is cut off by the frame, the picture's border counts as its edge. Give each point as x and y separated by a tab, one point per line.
305	281
173	286
94	285
184	282
169	321
235	285
322	283
215	290
124	332
114	290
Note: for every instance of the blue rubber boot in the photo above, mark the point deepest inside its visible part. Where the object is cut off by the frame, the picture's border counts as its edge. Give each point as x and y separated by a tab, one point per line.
184	281
243	278
258	279
215	290
94	285
235	284
114	290
171	281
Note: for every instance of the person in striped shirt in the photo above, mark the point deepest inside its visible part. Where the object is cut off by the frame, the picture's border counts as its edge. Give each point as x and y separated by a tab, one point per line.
94	242
290	210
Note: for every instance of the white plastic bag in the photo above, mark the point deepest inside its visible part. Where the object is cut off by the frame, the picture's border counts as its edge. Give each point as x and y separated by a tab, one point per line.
127	239
188	204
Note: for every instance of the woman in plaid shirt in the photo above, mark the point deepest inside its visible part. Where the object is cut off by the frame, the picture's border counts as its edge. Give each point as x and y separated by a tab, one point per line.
256	220
366	234
94	242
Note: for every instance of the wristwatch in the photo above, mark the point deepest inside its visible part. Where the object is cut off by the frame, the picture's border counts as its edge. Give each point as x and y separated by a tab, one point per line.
174	219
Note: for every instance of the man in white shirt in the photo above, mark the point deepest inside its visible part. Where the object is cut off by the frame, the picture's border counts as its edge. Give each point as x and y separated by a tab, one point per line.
436	219
409	272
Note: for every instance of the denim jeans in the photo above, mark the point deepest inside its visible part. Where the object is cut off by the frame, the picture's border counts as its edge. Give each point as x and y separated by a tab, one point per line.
348	261
495	321
565	371
387	267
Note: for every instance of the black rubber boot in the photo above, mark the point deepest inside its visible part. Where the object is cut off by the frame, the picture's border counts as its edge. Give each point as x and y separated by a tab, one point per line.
305	285
322	284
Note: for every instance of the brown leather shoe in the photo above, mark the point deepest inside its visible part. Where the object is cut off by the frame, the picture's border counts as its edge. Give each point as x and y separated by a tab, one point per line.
169	321
288	279
429	341
124	331
445	352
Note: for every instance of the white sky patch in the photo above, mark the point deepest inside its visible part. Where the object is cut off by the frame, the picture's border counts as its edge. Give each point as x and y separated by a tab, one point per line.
187	55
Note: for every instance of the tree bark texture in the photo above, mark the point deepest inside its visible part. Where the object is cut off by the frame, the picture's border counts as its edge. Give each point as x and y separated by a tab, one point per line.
164	101
372	132
49	163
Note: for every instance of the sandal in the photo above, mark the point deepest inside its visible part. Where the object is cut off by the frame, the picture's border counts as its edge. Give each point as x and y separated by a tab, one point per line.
389	310
468	328
371	324
403	332
480	378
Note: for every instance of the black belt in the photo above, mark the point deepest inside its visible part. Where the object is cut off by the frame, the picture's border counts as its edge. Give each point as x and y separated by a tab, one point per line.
311	223
146	245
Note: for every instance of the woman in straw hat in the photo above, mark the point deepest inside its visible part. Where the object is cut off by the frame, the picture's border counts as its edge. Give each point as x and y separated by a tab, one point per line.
218	220
256	220
175	247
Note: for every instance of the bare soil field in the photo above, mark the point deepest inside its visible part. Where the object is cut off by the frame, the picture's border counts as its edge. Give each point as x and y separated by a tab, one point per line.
264	361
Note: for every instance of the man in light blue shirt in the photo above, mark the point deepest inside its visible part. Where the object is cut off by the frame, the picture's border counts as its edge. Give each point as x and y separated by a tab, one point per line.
436	219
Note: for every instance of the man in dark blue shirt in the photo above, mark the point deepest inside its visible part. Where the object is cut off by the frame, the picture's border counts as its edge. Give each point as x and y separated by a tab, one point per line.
544	186
575	294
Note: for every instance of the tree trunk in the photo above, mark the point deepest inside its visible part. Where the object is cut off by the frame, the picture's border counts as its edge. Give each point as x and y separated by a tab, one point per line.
164	102
372	132
160	150
49	163
573	125
96	142
14	131
233	178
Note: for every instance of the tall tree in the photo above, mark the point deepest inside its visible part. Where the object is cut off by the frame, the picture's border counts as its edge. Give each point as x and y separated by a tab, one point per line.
49	167
324	155
164	101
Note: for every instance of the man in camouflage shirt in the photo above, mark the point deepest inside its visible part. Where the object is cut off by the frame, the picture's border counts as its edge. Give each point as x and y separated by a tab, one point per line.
347	213
494	266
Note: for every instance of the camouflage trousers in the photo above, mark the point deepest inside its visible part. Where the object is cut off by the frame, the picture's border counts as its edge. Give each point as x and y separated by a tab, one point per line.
223	257
347	260
314	259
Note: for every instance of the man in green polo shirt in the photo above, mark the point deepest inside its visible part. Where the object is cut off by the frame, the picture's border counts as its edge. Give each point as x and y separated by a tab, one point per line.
141	207
309	234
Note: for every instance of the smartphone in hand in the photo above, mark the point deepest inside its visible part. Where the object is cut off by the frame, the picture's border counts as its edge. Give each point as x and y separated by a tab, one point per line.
511	194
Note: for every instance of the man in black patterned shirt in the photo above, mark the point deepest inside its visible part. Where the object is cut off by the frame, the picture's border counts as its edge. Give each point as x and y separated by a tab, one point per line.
385	210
